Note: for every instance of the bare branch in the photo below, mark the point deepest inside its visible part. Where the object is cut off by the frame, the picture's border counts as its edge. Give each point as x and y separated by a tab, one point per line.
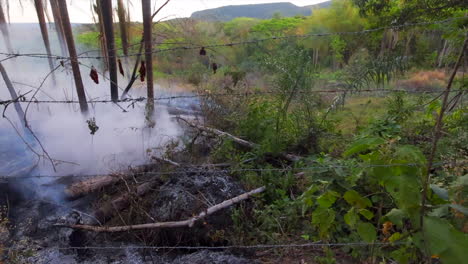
185	223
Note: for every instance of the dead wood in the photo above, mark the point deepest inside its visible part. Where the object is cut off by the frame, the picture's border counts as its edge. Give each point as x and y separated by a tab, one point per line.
13	94
81	188
185	223
108	210
96	183
168	161
239	141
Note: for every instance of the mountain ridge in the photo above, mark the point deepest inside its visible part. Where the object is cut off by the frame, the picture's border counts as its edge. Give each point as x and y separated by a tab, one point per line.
261	11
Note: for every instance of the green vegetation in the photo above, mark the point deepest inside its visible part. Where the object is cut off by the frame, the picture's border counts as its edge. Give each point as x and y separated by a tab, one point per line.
365	154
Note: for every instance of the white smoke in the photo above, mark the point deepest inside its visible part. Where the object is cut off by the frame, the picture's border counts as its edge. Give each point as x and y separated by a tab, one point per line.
122	139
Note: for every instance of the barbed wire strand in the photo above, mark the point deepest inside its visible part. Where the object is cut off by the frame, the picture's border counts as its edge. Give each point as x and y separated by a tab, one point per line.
259	246
198	95
161	173
230	44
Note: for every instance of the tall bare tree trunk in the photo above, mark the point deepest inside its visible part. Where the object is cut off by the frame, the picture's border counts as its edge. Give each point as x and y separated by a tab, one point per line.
4	29
13	94
58	26
45	34
123	26
102	37
147	36
67	29
106	9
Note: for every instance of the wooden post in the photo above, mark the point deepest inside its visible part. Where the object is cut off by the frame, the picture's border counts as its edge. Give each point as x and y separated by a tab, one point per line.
106	9
73	57
147	36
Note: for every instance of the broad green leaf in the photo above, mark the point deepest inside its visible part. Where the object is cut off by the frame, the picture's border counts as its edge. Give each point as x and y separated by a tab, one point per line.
441	192
351	217
323	218
444	240
402	256
440	211
363	145
366	213
366	231
404	186
396	216
411	154
356	200
394	237
460	208
327	199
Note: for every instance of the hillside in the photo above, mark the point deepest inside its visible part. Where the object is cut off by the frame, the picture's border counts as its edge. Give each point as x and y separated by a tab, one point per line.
261	11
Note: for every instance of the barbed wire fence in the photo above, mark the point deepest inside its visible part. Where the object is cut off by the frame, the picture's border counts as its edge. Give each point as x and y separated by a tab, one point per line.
190	169
231	44
190	46
22	99
259	246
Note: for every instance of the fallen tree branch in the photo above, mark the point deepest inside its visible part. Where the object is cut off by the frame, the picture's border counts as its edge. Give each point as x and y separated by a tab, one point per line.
81	188
185	223
108	210
168	161
239	141
94	184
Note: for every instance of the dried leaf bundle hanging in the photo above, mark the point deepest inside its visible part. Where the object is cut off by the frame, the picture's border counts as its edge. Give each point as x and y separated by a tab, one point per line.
94	75
142	71
120	67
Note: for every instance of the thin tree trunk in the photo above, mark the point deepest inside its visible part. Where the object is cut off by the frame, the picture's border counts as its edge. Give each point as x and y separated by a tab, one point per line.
102	37
106	9
45	34
147	36
408	43
67	29
383	43
58	26
442	54
13	94
134	73
4	29
123	26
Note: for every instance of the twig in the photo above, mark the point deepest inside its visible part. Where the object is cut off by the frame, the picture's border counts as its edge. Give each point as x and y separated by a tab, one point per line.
185	223
159	9
437	135
26	124
239	141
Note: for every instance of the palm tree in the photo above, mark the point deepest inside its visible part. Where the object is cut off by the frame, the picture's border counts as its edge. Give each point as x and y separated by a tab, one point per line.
67	30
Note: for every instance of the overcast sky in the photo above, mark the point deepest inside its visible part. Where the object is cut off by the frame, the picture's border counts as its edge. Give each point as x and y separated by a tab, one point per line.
80	9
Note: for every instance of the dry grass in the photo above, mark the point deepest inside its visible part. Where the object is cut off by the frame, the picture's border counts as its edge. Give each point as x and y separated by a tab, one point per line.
424	81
